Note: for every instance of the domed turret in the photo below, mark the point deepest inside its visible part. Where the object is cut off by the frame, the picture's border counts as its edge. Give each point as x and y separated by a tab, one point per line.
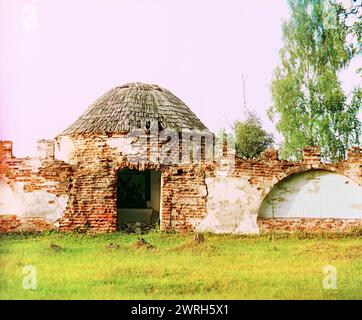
133	106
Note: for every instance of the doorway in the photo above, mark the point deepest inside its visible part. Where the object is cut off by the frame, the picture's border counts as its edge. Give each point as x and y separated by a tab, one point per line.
138	196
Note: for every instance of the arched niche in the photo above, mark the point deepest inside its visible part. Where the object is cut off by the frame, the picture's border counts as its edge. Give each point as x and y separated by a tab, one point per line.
314	194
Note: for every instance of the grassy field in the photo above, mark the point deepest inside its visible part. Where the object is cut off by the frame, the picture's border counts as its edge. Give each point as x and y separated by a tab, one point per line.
222	267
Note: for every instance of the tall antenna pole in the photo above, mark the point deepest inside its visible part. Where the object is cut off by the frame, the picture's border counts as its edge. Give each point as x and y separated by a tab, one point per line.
244	107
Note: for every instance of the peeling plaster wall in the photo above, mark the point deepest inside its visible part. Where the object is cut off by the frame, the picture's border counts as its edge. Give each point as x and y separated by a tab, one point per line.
9	202
38	203
198	196
34	192
232	205
64	149
123	145
314	194
235	197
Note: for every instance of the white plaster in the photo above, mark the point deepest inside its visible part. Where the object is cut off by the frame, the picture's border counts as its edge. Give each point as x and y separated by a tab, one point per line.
31	204
33	163
9	203
122	144
231	206
64	149
202	191
221	173
314	194
248	225
49	184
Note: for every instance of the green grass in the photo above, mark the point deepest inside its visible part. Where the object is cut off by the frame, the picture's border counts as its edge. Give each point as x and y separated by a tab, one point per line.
223	267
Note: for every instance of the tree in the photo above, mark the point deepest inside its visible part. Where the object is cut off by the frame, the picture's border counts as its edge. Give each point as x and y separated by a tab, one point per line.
250	137
307	94
356	28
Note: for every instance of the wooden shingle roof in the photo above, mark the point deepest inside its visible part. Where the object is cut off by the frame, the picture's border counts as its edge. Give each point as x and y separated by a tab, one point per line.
133	106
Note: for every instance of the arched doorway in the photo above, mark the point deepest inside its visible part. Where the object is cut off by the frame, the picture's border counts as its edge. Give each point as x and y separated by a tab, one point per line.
314	194
138	196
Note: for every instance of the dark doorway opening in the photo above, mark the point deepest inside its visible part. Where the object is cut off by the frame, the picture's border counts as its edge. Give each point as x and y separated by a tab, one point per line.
138	196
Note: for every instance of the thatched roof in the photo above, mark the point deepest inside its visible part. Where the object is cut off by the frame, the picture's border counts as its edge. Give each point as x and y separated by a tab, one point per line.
133	106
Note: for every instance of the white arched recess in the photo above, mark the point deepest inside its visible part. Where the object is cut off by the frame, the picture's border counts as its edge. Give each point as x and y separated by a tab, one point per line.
314	194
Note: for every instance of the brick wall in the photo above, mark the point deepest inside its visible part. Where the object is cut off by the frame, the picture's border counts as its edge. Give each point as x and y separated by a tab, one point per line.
200	196
309	225
235	196
92	203
32	191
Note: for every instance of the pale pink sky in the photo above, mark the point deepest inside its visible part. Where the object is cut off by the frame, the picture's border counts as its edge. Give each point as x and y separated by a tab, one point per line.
57	57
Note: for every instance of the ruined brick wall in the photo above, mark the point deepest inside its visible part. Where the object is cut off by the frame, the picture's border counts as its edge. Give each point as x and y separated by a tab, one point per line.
235	196
91	204
205	197
33	191
184	197
92	196
200	196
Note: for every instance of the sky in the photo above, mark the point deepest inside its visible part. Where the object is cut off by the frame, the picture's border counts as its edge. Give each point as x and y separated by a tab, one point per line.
57	57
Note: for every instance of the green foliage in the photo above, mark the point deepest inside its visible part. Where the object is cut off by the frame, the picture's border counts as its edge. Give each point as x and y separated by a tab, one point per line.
250	137
311	105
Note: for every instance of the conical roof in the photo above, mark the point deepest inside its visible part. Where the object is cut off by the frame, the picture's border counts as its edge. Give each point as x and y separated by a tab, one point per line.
134	106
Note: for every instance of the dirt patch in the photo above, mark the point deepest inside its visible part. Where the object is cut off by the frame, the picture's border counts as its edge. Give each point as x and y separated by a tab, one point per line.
332	251
112	245
54	247
143	244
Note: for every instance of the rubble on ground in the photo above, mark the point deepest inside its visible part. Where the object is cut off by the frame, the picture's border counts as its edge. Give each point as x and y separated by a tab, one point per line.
137	227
